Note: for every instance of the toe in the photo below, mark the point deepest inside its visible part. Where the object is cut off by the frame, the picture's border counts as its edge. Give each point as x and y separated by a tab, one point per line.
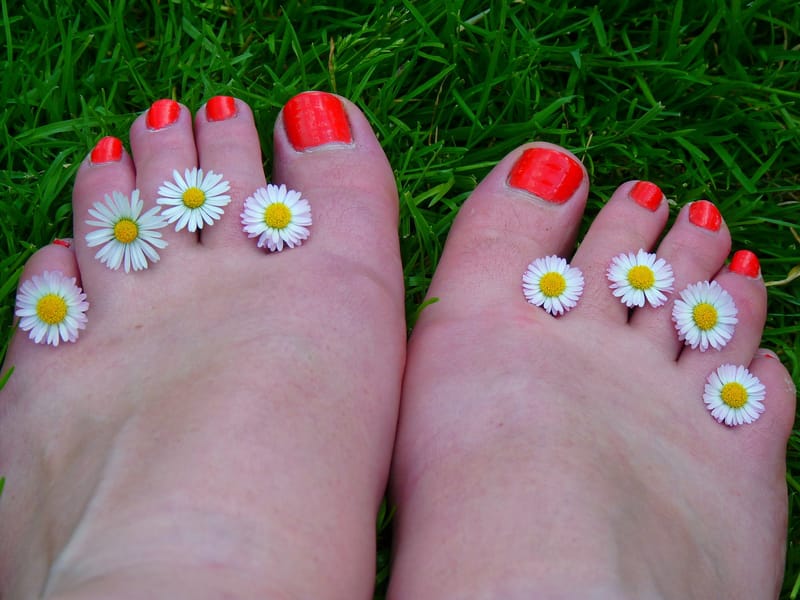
326	150
696	247
779	409
631	220
529	206
228	145
742	281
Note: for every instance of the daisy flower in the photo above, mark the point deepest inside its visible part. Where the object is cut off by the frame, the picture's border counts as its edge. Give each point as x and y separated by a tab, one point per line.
127	235
52	308
640	277
704	316
734	395
277	216
551	283
194	199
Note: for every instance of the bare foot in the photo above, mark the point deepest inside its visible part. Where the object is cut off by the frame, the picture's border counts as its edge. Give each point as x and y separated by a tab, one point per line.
223	425
552	457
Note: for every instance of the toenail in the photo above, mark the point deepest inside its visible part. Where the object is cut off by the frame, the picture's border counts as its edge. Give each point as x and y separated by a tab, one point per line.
194	199
734	395
127	236
551	283
647	194
745	263
640	278
704	214
705	316
765	353
64	243
220	108
549	174
163	113
52	308
312	119
108	149
276	216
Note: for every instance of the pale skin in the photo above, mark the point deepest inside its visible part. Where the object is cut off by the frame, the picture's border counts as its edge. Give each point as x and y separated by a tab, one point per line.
228	422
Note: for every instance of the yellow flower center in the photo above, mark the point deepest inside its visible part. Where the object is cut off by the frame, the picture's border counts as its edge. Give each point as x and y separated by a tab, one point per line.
194	197
641	277
734	395
277	215
126	231
51	309
705	316
552	284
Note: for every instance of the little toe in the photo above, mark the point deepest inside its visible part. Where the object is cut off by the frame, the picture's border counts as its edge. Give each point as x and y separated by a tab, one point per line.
228	146
696	248
529	206
632	220
53	265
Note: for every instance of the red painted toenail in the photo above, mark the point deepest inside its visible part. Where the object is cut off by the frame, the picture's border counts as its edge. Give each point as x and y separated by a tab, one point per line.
162	113
647	194
64	243
704	214
745	263
108	149
315	118
549	174
220	108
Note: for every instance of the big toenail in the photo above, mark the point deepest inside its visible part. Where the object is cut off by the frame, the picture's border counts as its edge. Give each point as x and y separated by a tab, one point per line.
277	216
551	283
745	263
128	237
639	278
108	149
734	395
163	113
704	214
194	199
312	119
705	316
52	308
549	174
647	195
220	108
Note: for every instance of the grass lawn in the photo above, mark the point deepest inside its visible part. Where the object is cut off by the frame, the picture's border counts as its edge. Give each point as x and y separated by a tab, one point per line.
700	97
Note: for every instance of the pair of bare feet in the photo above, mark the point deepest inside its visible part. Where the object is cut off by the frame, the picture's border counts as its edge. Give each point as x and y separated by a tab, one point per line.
226	423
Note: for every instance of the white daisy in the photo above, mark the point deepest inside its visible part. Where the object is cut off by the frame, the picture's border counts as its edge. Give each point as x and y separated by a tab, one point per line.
277	216
52	307
194	198
734	395
551	283
640	277
704	316
127	235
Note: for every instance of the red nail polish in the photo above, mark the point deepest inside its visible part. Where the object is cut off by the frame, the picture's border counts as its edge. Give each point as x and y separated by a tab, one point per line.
549	174
764	353
704	214
220	108
108	149
315	118
647	194
64	243
745	263
162	113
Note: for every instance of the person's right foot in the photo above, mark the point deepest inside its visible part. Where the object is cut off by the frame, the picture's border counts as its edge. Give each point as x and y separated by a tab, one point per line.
544	457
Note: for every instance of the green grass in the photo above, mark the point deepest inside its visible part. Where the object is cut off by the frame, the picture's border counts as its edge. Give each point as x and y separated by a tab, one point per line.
699	97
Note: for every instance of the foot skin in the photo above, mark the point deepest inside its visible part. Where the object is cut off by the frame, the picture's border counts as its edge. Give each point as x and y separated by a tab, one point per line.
224	424
546	457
